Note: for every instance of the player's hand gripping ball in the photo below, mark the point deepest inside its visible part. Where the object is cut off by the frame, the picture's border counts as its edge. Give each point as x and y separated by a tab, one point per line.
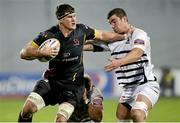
53	43
95	110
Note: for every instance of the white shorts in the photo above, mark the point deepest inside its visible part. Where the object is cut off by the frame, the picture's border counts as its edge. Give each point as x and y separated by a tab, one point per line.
150	89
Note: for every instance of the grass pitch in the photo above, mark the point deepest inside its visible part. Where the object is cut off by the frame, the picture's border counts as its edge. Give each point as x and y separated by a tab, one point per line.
166	110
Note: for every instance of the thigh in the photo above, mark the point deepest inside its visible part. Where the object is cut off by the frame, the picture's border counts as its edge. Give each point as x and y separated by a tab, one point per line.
144	99
148	93
42	87
44	90
73	97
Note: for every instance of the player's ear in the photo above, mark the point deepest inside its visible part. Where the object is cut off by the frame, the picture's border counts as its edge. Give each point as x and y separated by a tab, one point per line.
60	21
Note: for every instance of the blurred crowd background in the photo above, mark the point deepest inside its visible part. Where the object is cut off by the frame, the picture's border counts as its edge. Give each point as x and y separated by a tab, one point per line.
22	20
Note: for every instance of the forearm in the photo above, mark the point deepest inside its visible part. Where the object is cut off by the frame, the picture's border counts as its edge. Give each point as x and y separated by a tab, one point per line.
131	57
88	47
30	52
110	36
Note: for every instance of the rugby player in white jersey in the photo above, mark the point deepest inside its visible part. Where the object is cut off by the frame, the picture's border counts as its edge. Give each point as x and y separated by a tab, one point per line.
131	62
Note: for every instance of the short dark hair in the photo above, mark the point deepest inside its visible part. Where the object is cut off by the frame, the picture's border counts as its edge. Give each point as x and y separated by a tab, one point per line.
119	12
63	10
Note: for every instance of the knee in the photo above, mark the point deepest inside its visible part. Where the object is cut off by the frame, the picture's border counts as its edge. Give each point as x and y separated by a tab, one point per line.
137	115
123	118
139	111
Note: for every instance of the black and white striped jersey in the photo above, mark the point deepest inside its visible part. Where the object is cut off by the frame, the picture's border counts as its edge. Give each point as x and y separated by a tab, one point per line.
142	69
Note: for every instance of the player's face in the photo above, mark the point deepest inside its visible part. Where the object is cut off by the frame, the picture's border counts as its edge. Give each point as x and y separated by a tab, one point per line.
119	25
69	21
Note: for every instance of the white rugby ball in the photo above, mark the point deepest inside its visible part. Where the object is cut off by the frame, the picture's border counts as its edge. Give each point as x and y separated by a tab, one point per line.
53	43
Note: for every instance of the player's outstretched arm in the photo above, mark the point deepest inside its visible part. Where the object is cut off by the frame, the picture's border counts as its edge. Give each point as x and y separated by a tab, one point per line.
109	36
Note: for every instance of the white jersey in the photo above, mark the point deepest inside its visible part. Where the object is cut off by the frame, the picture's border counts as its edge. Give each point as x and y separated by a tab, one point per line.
136	72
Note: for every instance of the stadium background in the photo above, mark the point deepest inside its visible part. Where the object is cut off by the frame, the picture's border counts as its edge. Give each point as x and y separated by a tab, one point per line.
21	20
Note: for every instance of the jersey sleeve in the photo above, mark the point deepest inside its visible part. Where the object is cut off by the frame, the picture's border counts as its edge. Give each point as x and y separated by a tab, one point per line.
100	46
88	31
139	39
41	37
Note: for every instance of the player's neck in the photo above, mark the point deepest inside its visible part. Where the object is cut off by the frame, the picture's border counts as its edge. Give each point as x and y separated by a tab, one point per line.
65	31
131	29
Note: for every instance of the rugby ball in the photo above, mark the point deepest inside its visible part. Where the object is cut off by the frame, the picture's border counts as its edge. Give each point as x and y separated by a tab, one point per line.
53	43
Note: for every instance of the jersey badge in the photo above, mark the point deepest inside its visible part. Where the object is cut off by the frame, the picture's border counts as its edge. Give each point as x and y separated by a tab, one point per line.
75	42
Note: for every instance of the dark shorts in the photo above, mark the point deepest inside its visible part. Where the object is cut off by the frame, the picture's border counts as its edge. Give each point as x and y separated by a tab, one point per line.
59	94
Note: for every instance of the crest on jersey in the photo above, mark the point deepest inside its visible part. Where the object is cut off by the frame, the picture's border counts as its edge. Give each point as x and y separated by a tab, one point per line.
75	42
139	41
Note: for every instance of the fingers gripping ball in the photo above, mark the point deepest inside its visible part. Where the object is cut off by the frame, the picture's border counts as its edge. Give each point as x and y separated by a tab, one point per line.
53	43
95	110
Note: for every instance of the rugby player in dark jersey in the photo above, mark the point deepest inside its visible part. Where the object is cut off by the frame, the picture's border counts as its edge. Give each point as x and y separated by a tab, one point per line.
63	81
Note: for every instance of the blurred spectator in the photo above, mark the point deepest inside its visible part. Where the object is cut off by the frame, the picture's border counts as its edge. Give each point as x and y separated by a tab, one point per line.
167	82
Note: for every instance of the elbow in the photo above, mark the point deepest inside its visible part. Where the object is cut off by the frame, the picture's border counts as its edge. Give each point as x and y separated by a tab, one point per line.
22	54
